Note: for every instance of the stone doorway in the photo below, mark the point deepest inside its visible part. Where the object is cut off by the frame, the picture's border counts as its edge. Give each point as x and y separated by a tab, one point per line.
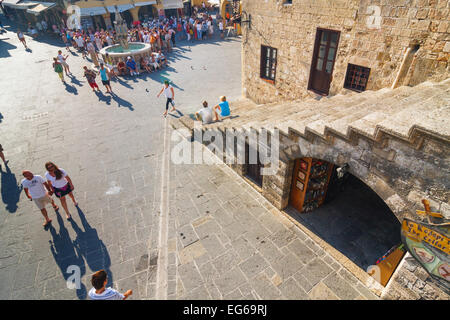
353	219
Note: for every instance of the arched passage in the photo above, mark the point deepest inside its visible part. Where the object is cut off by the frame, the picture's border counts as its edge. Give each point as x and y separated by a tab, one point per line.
343	211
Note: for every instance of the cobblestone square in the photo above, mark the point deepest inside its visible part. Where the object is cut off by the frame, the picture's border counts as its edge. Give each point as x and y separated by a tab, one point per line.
165	231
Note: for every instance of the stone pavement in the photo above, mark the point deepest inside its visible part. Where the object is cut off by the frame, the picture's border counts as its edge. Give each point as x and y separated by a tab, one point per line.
220	239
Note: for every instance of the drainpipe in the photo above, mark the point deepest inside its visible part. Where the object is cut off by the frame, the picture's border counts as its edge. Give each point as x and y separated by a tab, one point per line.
402	66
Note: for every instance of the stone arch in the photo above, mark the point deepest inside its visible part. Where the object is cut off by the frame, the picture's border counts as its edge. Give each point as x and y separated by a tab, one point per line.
399	186
392	199
223	7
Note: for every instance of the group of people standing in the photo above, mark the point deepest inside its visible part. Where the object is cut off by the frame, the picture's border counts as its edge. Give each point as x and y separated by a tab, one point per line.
40	190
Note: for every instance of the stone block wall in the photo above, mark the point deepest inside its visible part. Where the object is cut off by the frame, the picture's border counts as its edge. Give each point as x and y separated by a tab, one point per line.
374	34
411	281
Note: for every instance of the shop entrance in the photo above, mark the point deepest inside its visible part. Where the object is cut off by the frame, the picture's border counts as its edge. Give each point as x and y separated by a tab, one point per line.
347	214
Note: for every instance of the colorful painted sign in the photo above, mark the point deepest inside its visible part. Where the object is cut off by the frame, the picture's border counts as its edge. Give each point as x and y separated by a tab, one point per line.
430	246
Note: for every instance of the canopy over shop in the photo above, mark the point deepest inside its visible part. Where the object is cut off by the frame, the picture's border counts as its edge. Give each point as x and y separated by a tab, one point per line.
33	11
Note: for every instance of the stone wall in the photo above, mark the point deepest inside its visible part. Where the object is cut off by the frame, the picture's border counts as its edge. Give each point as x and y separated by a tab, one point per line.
374	34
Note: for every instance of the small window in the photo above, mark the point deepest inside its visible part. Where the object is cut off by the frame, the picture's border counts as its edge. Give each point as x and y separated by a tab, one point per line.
356	78
287	2
268	63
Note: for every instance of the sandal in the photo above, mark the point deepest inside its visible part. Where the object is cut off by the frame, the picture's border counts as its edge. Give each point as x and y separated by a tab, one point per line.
47	223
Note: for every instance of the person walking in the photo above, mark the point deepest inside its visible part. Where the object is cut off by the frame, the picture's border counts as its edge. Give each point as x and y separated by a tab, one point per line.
99	290
62	60
57	66
66	42
61	184
104	75
21	37
2	156
169	94
90	76
221	28
37	190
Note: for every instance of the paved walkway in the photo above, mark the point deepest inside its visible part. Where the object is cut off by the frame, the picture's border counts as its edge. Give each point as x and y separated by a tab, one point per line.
163	230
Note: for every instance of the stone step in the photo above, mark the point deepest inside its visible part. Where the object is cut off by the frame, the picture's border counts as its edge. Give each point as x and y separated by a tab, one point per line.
367	113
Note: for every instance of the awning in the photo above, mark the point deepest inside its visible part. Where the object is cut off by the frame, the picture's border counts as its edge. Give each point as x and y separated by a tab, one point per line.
94	11
146	3
121	8
21	5
42	6
9	3
173	4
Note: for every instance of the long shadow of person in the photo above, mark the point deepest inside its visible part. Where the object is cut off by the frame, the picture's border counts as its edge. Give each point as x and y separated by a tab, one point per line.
126	85
66	254
121	102
102	97
71	89
75	81
10	189
91	247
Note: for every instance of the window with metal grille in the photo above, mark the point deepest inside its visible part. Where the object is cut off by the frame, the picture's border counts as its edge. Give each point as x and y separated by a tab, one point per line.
268	63
356	78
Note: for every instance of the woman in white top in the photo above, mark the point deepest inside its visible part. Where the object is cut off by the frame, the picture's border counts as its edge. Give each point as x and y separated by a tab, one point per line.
61	185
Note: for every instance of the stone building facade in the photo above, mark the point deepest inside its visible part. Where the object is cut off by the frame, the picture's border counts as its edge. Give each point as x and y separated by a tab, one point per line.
374	34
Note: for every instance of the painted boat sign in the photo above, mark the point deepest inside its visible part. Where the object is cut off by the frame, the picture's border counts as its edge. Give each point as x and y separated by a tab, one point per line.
430	246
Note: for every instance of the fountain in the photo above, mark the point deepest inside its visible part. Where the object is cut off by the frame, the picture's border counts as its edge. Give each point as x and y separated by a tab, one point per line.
124	49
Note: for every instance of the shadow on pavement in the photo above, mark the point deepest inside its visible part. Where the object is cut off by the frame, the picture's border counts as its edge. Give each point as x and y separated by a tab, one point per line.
126	85
91	247
121	102
70	88
66	255
10	189
5	47
75	81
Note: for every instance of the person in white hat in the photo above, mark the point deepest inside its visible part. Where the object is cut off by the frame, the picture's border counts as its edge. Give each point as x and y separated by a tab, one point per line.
131	65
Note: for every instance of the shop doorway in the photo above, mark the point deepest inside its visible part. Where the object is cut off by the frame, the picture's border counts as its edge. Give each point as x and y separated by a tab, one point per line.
322	64
345	213
147	12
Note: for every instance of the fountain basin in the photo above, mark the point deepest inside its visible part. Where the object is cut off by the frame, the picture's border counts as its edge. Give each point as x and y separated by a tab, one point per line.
135	49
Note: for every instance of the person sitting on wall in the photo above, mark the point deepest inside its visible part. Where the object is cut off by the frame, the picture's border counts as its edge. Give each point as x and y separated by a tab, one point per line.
131	65
161	59
122	68
205	115
154	64
144	64
224	108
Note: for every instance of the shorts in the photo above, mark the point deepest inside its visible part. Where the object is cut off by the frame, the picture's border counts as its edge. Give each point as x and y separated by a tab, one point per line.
42	202
61	192
93	85
65	64
1	148
105	82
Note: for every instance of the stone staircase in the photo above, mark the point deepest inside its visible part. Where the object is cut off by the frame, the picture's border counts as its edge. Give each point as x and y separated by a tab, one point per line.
403	112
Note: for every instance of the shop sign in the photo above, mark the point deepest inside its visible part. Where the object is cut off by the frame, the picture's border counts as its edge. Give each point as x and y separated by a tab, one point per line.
430	246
